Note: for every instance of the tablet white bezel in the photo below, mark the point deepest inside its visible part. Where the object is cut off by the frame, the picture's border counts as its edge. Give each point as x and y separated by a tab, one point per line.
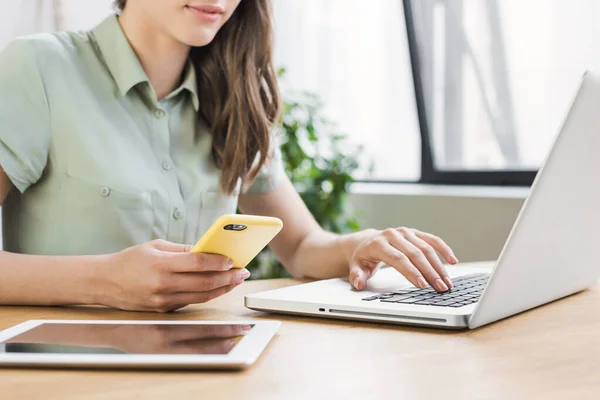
244	354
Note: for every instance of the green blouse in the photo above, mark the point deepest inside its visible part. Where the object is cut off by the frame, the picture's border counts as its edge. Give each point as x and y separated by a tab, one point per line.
99	163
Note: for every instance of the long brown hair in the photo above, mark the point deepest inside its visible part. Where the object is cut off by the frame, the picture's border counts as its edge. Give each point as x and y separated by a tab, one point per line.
238	93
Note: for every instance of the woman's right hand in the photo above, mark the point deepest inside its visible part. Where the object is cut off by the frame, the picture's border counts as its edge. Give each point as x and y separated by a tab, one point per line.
162	276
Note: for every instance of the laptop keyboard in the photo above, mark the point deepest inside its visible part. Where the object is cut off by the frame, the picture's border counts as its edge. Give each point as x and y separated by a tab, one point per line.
467	290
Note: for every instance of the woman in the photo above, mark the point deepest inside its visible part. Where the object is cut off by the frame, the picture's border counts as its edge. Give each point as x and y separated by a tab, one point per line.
126	142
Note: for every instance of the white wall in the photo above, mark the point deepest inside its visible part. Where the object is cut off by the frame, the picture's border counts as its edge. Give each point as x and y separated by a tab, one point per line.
475	222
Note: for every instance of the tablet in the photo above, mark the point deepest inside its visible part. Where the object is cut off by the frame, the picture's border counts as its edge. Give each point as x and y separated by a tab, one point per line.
135	344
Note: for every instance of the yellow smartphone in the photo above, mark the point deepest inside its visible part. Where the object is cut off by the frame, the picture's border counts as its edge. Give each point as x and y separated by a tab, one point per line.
239	237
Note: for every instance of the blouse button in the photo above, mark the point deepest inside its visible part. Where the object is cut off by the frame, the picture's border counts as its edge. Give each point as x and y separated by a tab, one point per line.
104	191
177	214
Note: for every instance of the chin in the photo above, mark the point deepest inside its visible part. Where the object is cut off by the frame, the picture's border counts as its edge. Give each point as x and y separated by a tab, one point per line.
201	38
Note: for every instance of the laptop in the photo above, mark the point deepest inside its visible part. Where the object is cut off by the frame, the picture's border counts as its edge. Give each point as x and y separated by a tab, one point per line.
548	254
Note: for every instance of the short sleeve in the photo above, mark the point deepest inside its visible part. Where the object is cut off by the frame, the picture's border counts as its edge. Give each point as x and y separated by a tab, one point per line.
271	174
24	115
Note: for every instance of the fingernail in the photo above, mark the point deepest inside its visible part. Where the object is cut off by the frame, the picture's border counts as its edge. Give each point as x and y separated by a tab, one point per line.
246	328
245	274
454	259
448	282
229	263
440	285
422	283
356	282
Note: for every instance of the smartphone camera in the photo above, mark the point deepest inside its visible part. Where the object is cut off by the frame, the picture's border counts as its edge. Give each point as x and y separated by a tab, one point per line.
234	227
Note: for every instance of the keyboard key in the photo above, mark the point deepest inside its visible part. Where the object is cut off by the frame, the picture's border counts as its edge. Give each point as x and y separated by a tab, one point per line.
453	295
425	302
401	292
460	280
410	300
429	295
440	301
445	303
394	299
371	298
416	298
438	295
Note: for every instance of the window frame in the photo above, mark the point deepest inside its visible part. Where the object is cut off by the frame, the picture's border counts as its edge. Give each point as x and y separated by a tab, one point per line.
429	173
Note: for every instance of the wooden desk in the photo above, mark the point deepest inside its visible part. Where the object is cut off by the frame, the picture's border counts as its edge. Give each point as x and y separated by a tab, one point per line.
552	352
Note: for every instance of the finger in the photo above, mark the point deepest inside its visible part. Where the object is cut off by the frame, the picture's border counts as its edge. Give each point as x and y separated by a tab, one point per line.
193	297
357	277
382	250
438	244
419	260
196	262
164	245
203	281
432	257
360	274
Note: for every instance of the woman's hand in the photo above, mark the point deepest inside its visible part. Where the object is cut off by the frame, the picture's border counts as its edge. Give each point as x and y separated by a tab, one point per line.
163	276
413	253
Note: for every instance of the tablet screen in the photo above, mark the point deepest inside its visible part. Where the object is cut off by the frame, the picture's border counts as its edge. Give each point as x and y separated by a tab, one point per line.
65	338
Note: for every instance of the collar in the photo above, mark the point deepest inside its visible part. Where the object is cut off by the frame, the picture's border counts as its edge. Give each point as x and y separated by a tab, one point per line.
124	65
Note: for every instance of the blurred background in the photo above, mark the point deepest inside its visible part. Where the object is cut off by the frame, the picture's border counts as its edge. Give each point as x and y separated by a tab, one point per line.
446	108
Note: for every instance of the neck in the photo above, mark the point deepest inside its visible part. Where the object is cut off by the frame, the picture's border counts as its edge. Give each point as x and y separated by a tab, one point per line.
163	58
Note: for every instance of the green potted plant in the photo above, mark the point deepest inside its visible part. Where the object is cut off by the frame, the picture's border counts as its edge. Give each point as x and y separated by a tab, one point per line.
320	162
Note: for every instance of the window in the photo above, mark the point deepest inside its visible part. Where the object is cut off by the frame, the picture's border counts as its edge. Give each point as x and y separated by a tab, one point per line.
354	55
495	79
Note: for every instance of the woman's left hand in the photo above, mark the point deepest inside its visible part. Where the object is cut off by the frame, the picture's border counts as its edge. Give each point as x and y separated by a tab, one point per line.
413	253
